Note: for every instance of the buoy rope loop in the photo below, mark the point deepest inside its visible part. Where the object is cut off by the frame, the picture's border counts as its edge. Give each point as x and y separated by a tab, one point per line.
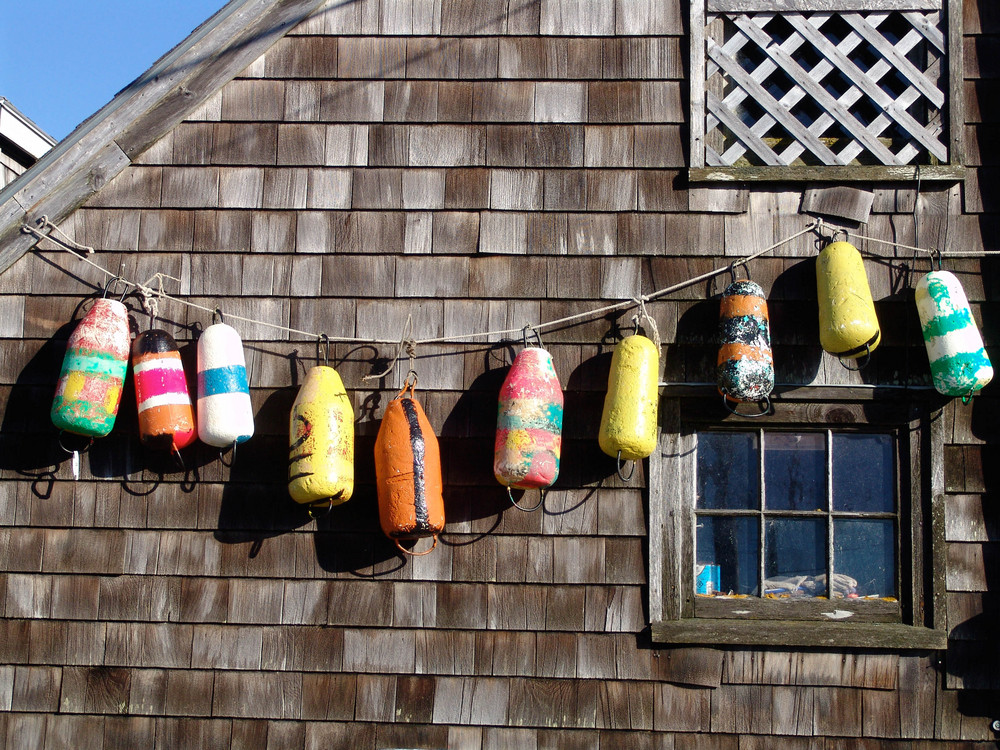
90	442
179	459
764	405
408	385
622	476
411	553
968	397
536	506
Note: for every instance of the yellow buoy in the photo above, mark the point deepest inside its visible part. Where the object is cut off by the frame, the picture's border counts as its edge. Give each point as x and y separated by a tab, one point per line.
848	326
321	441
628	424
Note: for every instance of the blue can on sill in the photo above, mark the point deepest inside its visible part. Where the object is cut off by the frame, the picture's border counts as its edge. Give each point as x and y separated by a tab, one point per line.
707	579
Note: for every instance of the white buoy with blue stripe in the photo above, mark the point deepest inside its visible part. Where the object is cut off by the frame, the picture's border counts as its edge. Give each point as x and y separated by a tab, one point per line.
225	413
959	364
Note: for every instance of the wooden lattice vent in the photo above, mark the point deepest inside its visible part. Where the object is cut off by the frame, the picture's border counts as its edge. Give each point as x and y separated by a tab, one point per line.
792	88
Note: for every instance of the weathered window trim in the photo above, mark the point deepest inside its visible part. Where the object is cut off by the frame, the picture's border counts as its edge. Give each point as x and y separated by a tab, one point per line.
922	547
953	170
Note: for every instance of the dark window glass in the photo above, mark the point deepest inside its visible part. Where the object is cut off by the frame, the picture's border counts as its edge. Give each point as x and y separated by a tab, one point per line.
863	474
795	471
727	470
731	544
795	557
864	552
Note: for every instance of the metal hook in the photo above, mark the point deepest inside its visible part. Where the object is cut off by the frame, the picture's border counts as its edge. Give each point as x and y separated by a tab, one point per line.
536	506
968	397
417	554
732	270
765	406
218	312
232	456
112	281
179	459
932	254
323	349
74	453
847	235
622	476
862	361
524	335
318	509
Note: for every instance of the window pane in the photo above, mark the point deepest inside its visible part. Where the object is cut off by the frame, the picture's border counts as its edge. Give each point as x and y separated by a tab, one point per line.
863	474
795	471
730	543
795	557
864	553
727	470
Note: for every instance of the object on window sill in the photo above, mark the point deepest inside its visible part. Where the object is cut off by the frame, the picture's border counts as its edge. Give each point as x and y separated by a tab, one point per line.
810	586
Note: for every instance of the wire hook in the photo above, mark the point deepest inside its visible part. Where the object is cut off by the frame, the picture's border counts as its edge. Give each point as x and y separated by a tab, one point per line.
536	506
323	349
217	312
524	335
622	476
764	406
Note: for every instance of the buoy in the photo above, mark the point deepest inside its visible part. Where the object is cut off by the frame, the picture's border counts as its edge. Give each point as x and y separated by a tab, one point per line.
529	423
959	363
166	416
93	371
225	413
848	326
628	422
745	366
408	472
321	441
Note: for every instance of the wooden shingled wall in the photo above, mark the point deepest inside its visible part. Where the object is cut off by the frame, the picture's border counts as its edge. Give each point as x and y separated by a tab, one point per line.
469	165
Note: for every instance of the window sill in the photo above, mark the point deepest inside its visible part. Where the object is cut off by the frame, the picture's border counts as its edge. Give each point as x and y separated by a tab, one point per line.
827	174
794	633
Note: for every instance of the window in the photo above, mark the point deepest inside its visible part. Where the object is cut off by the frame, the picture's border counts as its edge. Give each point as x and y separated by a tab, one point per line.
826	90
815	525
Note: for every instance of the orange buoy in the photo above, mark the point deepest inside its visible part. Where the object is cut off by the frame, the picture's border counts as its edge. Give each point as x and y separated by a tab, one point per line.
408	472
166	414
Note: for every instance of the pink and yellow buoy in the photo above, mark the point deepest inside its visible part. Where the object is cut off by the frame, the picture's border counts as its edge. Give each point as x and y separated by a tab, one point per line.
529	424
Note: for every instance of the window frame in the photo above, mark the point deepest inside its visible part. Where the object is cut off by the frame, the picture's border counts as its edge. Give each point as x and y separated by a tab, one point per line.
954	108
921	622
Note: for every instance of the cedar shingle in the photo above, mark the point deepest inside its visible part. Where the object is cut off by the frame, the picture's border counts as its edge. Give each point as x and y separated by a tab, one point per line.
223	231
467	188
446	145
379	650
373	57
241	187
376	698
612	191
253	100
244	143
578	18
133	187
301	57
78	732
507	101
352	101
189	693
515	190
648	18
560	102
301	144
565	190
346	145
302	101
96	690
271	695
454	101
411	101
329	696
36	689
163	231
551	58
190	187
610	146
418	234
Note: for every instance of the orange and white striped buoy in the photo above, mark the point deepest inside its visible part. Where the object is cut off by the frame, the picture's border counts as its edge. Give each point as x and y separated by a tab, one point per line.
166	415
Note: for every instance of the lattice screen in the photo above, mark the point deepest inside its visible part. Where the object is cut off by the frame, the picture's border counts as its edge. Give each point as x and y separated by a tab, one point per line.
821	88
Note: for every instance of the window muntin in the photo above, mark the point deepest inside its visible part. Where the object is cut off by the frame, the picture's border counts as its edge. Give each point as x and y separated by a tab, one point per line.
778	514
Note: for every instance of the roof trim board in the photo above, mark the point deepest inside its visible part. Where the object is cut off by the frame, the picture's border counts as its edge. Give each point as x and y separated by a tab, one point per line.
144	111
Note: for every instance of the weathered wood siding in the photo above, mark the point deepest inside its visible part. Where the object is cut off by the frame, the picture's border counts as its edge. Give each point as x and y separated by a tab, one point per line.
470	165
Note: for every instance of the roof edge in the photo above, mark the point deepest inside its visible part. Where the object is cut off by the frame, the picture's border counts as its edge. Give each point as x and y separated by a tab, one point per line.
141	113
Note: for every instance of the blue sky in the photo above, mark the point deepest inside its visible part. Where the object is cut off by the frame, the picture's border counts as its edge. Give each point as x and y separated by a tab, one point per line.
62	60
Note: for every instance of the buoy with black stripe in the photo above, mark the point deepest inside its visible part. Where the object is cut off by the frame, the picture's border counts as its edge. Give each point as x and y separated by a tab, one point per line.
408	472
321	441
166	415
745	365
93	371
528	442
958	360
848	326
225	412
628	421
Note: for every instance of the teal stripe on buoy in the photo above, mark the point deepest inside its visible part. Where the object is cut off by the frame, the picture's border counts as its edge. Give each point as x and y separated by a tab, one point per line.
958	361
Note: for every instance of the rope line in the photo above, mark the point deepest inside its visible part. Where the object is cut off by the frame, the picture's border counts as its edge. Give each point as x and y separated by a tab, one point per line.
150	296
